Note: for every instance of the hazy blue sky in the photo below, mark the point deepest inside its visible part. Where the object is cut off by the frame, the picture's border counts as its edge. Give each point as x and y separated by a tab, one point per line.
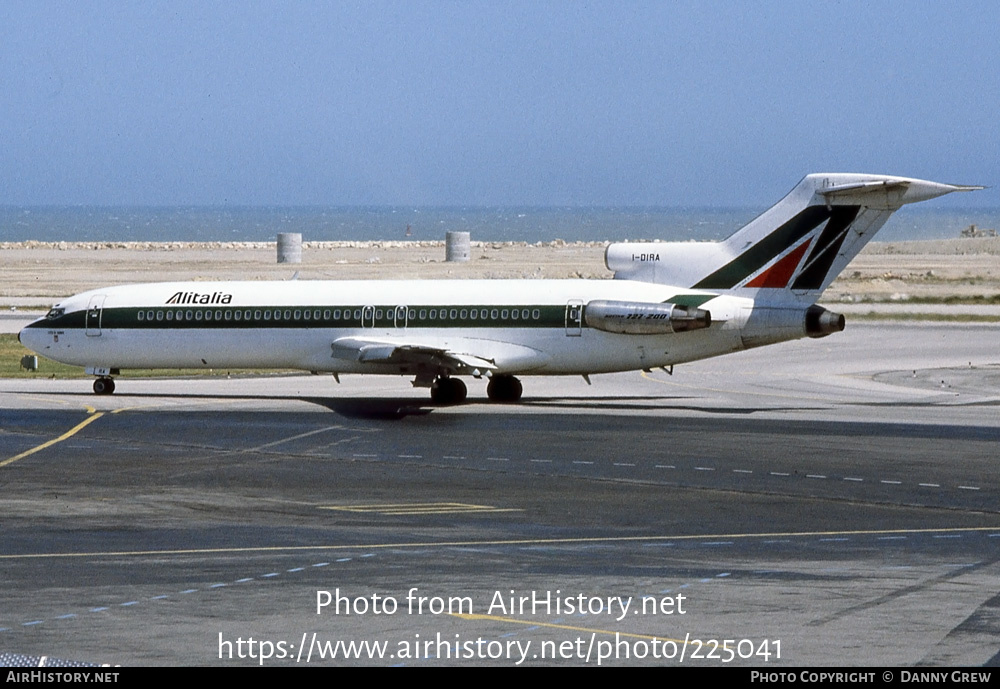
487	103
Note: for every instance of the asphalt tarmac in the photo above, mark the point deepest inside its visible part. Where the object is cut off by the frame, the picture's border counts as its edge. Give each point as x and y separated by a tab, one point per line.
824	502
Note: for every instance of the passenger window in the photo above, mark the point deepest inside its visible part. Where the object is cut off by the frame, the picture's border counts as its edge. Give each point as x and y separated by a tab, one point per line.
454	314
494	314
298	314
198	315
141	316
170	315
463	315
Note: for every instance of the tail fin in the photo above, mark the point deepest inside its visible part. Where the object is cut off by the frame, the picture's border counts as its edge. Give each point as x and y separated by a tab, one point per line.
794	249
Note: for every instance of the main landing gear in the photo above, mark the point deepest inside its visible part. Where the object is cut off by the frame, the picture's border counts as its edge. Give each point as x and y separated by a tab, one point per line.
105	385
503	388
448	391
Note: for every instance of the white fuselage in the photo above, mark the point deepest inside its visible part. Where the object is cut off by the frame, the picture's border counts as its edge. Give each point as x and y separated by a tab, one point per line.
519	326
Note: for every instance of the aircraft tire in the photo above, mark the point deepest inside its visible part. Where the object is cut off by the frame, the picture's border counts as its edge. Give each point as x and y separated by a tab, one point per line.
104	386
449	391
504	389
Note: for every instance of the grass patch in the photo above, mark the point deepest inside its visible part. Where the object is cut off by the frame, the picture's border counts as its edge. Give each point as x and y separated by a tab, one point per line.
951	300
969	300
913	316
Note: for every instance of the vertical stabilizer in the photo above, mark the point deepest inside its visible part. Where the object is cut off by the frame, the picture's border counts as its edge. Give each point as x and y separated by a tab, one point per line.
792	251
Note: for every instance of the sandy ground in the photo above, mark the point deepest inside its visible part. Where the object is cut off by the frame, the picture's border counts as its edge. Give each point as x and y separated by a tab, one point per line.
36	274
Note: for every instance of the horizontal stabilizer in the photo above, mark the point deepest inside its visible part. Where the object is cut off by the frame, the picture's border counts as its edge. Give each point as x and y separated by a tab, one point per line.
889	193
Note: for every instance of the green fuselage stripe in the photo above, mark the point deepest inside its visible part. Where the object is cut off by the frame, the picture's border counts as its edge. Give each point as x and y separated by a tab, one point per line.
353	316
690	300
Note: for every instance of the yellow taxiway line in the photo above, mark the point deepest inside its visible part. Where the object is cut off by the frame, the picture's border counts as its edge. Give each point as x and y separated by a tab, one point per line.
94	415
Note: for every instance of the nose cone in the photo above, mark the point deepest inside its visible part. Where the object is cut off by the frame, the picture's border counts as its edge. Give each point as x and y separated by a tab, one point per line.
31	335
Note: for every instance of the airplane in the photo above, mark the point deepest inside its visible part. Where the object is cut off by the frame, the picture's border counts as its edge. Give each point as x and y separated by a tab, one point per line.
669	303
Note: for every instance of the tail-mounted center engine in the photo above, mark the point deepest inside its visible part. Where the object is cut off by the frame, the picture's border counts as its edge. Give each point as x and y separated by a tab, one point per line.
820	322
639	318
767	324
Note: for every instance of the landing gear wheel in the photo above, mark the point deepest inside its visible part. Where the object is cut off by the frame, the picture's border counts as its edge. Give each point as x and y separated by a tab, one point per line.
104	386
448	391
504	389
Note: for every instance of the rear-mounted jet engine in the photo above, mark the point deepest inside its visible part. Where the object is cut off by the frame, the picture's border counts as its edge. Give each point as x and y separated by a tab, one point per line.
638	318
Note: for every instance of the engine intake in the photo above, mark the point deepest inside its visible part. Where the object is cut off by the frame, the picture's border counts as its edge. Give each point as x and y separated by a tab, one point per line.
640	318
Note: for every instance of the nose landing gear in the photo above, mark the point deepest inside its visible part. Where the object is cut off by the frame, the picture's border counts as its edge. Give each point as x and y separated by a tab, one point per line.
105	385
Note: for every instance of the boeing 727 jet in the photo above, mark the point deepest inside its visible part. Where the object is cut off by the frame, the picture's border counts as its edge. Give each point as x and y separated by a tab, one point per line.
669	303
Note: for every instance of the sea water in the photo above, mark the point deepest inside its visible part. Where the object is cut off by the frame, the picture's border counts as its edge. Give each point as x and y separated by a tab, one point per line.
508	224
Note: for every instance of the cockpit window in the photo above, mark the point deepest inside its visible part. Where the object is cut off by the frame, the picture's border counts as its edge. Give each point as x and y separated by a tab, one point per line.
55	312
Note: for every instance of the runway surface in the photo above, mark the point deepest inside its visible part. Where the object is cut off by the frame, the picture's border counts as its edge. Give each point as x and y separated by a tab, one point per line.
830	502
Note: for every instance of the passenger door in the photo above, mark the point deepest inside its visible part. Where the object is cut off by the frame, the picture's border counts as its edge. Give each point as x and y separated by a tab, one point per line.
95	311
574	317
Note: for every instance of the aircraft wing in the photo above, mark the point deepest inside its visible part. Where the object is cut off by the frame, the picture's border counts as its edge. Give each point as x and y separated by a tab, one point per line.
412	354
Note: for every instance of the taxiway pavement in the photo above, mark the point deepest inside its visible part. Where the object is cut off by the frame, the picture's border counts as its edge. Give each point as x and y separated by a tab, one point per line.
835	501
